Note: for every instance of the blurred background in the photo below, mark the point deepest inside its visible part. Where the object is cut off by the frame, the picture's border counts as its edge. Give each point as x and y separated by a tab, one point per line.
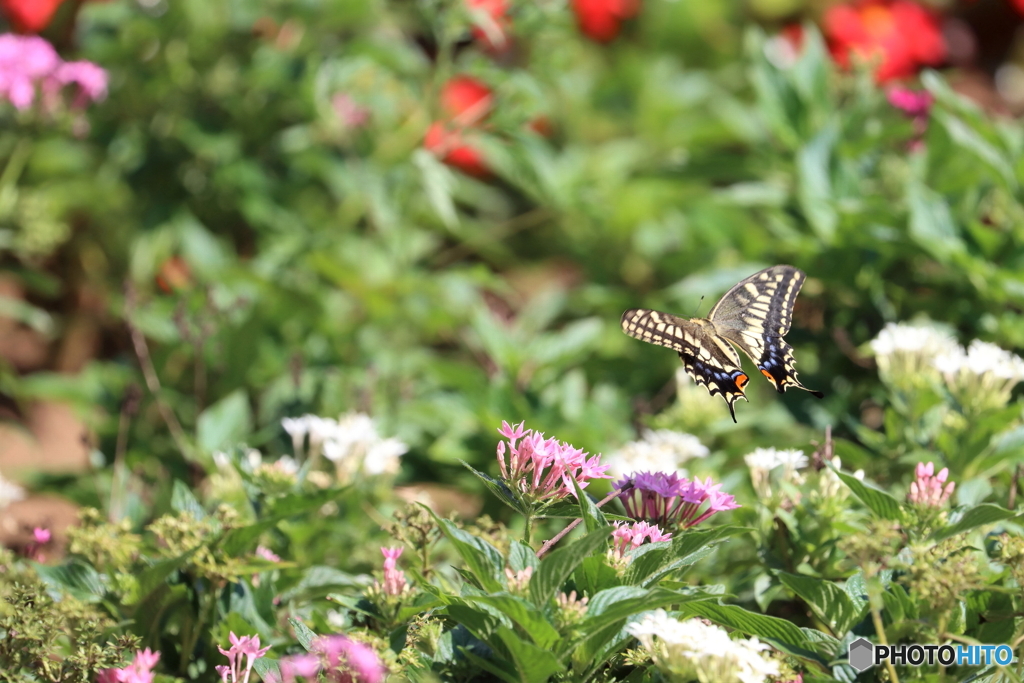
435	211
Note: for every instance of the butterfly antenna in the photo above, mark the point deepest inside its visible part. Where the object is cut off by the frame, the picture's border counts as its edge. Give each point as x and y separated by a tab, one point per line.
697	310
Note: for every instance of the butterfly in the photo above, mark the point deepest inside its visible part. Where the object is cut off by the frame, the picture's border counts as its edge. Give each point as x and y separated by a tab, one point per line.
754	315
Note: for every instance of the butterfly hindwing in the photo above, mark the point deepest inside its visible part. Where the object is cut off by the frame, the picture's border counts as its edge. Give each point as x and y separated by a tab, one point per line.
756	314
708	359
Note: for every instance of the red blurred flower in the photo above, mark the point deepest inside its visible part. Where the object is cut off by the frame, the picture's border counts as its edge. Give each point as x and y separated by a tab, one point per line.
600	19
491	25
466	100
449	145
901	35
29	16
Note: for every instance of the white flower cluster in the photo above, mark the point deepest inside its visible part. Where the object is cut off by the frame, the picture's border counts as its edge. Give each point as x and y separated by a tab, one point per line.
692	649
905	353
660	450
9	492
762	461
351	442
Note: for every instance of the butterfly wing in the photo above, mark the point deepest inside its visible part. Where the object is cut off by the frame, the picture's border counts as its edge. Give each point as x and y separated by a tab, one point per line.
709	360
756	314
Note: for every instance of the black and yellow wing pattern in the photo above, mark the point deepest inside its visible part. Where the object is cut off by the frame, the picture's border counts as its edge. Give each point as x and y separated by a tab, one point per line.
754	315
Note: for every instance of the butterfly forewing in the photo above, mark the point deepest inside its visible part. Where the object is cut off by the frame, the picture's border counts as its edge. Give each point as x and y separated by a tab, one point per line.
708	359
756	314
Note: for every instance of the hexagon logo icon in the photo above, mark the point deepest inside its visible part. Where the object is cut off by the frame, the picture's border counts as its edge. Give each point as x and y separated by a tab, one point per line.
862	654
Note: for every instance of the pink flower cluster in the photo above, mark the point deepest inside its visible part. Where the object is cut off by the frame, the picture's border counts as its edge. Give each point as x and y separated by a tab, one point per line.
342	660
29	62
668	499
394	578
544	469
928	489
632	535
139	671
248	646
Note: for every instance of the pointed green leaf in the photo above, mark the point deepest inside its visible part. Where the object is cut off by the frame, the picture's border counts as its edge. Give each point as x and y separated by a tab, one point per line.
977	516
878	501
557	566
483	559
303	633
828	601
523	613
533	664
592	516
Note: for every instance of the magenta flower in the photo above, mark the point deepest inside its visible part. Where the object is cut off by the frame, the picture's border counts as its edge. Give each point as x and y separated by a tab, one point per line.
915	104
394	578
928	490
42	535
544	469
247	646
341	659
632	535
139	671
668	499
29	62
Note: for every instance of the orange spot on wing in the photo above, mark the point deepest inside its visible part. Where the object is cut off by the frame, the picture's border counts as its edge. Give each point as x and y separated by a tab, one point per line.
769	376
741	381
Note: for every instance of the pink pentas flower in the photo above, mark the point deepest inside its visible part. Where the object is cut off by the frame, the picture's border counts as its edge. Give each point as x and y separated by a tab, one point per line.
668	499
41	535
241	646
266	554
544	469
630	536
341	659
139	671
90	79
394	578
29	63
929	489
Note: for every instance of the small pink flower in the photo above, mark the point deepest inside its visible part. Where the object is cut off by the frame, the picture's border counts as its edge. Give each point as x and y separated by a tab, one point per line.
913	103
630	536
928	490
343	661
41	535
139	671
394	578
544	469
266	554
349	112
249	646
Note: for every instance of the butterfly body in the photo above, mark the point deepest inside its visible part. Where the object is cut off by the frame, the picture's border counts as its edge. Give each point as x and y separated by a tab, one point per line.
754	316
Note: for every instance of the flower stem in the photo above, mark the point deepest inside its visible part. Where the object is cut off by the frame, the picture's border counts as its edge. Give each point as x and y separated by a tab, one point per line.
572	525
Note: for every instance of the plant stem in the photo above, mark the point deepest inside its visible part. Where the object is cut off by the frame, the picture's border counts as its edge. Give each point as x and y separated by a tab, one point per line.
876	618
575	523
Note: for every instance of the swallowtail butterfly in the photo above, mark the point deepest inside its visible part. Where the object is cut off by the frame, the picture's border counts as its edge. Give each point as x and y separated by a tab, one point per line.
754	315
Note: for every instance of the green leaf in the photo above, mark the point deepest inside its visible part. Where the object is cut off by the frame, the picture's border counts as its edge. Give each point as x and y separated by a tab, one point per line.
973	518
225	423
483	623
973	143
780	632
661	561
557	566
268	669
154	577
521	556
878	501
615	604
182	500
898	605
302	633
523	613
815	183
75	578
931	222
828	601
483	559
533	664
500	490
592	517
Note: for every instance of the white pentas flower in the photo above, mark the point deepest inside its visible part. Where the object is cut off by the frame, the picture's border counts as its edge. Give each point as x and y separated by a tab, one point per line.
351	442
9	492
692	649
772	464
660	450
982	376
905	353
